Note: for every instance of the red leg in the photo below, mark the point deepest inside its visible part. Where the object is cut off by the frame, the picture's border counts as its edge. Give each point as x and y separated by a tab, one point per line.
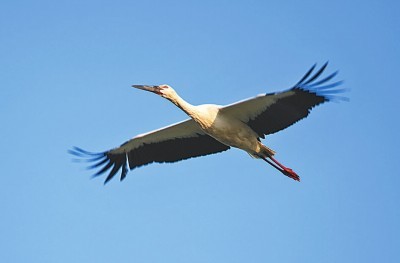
285	170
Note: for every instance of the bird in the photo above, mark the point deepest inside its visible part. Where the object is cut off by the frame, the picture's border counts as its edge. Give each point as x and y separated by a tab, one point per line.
213	128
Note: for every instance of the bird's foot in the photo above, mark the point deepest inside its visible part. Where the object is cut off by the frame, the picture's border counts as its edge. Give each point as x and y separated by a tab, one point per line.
290	173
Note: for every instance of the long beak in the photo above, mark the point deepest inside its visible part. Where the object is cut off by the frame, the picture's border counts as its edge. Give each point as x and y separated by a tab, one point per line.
154	89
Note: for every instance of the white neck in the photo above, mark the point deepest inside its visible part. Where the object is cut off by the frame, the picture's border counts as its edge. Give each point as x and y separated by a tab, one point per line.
188	108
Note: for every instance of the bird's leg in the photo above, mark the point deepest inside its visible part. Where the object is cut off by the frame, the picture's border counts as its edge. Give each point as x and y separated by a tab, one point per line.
272	164
285	170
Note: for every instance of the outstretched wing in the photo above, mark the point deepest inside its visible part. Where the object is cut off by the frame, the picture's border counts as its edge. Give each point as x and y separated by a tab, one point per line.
173	143
272	112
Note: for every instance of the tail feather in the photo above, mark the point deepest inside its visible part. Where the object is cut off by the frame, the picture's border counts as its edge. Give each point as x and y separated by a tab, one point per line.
267	151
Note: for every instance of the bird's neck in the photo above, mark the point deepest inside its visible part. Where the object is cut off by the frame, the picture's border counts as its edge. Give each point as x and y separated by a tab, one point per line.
188	108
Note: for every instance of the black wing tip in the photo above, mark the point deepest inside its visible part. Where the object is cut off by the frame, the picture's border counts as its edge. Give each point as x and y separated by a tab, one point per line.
312	83
105	160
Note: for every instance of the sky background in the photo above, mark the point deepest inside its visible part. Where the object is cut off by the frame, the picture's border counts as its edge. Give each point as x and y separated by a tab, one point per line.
66	70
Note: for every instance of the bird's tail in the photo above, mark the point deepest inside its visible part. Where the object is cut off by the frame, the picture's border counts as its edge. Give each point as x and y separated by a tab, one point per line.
264	153
267	152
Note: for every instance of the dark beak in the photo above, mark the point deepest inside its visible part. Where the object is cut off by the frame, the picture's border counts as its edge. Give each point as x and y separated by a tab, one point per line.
154	89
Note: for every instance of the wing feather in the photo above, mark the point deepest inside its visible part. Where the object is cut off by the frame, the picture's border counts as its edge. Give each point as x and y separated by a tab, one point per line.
272	112
173	143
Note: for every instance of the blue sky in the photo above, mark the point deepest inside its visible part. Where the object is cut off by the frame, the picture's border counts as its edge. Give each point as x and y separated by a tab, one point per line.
66	70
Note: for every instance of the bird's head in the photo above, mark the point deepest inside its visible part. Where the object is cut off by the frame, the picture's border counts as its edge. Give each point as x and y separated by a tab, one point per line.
164	90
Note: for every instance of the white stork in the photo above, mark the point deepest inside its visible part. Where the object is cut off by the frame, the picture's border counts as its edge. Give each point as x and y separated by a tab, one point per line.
213	128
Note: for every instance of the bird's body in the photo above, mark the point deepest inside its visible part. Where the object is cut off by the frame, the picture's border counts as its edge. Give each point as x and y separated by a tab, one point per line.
213	128
225	128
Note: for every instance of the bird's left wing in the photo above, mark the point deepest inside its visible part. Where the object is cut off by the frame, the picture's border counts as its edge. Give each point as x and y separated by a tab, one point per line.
173	143
272	112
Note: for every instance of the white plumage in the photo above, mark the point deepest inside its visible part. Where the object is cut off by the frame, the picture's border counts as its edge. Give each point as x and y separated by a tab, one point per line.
213	128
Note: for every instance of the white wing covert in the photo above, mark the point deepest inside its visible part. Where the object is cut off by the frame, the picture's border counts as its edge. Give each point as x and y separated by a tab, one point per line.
173	143
272	112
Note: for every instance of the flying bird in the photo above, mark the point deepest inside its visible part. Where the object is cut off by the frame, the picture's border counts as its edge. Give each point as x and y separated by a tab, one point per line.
213	128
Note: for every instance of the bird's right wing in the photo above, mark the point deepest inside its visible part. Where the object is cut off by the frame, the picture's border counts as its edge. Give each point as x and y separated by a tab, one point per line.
173	143
272	112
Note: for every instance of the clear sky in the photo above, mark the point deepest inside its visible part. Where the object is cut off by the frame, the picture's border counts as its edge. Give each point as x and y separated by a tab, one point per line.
66	68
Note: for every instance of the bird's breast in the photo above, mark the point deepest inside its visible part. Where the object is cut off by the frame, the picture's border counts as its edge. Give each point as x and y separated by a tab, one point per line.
232	132
225	128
